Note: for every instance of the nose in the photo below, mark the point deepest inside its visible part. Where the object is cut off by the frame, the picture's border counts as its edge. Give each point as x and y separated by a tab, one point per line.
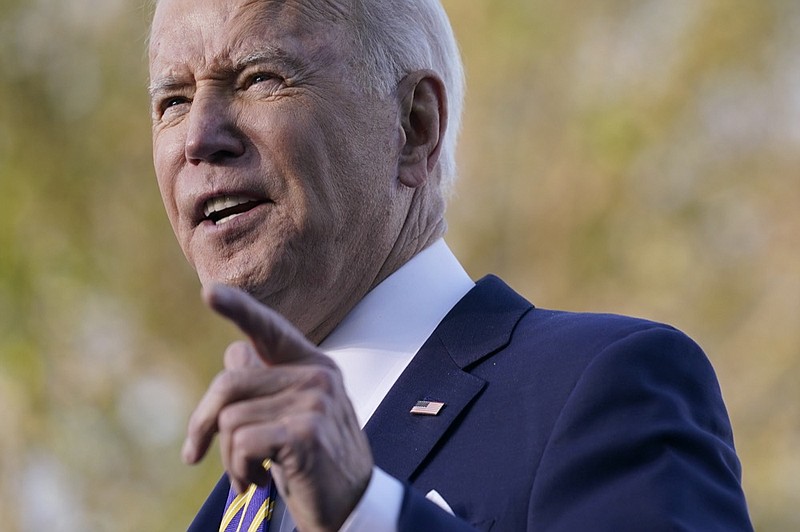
212	134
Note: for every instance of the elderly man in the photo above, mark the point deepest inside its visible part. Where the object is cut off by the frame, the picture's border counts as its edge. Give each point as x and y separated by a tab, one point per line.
304	150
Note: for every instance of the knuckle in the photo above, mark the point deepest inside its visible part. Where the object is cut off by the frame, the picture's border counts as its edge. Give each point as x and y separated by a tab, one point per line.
246	443
247	455
237	353
324	379
240	450
306	428
238	463
236	347
228	418
317	402
225	385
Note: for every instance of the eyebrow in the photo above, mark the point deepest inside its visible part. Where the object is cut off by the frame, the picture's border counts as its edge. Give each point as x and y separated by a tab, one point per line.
263	55
165	84
269	54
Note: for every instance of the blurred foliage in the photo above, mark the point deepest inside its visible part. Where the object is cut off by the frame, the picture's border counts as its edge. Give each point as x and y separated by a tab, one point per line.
633	156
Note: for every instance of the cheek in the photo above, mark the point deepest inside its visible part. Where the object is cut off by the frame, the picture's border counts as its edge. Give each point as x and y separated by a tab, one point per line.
298	151
167	157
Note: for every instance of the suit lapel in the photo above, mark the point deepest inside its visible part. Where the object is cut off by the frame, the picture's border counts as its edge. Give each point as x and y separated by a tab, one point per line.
210	514
479	325
400	441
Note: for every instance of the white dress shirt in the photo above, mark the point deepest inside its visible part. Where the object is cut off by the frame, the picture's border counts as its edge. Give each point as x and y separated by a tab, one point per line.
373	345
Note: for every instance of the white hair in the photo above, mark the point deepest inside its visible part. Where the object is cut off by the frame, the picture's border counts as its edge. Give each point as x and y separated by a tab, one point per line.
397	37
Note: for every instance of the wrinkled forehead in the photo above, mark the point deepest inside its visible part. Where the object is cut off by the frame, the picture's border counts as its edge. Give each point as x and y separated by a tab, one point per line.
185	30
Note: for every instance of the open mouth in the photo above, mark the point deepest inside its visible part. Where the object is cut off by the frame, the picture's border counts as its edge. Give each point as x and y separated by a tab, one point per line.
223	209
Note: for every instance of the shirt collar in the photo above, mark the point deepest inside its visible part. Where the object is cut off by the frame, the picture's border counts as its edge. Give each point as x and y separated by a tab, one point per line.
379	337
402	311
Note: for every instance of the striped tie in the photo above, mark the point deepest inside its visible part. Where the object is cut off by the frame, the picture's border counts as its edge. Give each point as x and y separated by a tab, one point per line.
249	511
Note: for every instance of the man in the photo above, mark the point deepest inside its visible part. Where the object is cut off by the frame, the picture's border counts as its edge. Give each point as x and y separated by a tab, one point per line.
304	149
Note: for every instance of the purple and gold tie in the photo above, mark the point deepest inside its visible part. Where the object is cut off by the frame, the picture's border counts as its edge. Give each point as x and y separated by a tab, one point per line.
249	511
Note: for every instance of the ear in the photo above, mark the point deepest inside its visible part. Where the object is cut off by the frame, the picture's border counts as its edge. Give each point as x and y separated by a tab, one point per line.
423	118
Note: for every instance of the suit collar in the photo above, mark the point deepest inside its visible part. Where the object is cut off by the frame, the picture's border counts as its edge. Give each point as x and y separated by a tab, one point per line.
380	336
478	326
209	516
482	322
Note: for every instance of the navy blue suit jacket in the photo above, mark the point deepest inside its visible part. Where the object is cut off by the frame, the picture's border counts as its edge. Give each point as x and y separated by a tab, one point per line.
554	421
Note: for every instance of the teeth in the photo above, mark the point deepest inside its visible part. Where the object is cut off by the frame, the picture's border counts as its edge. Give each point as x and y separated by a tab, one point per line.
223	202
229	218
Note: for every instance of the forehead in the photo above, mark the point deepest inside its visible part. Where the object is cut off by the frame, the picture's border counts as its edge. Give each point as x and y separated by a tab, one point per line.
207	33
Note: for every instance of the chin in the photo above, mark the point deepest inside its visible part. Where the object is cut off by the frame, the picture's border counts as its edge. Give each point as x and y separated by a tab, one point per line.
260	282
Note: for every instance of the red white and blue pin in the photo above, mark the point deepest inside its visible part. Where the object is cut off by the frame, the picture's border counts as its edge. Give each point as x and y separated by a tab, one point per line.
427	408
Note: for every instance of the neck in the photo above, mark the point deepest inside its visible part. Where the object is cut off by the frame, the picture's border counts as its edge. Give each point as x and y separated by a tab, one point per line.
423	225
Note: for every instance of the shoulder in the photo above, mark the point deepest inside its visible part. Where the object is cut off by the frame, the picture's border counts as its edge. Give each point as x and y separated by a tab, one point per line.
582	337
585	410
575	338
559	353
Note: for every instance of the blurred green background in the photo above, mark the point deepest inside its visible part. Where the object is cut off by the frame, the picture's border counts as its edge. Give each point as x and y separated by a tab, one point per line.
635	156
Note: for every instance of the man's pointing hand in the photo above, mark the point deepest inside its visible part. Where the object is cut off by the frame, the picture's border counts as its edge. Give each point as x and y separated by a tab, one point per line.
281	398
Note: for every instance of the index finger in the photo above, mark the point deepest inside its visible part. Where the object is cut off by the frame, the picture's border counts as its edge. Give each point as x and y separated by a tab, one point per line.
276	340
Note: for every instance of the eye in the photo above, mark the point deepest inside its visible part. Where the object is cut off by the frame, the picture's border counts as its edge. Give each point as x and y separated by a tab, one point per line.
171	104
259	78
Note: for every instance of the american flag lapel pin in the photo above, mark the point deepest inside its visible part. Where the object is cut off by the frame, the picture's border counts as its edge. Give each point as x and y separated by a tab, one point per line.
427	408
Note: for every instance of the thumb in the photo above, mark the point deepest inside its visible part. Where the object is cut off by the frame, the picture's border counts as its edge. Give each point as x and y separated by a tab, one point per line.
242	355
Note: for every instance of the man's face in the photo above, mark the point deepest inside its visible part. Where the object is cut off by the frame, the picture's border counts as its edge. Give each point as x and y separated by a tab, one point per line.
278	174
